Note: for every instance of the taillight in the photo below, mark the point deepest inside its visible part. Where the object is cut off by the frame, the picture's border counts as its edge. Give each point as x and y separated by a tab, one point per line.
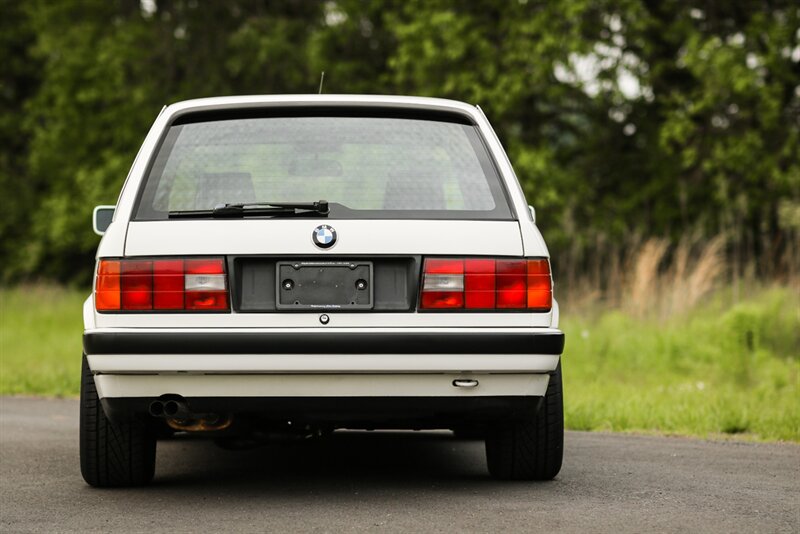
161	285
443	284
204	283
107	290
486	284
136	285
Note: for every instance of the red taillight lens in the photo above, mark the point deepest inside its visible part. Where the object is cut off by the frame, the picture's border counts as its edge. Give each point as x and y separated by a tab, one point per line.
442	299
137	285
161	284
439	266
511	283
479	284
168	284
486	284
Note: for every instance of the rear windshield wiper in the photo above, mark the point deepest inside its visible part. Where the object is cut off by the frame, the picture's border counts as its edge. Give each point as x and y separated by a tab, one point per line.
256	209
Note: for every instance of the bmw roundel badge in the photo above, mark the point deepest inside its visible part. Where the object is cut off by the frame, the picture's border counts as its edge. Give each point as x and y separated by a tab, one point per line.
324	236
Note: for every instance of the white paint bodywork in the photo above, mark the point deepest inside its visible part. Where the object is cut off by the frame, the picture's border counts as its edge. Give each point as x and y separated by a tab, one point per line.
314	385
438	322
322	363
293	236
399	374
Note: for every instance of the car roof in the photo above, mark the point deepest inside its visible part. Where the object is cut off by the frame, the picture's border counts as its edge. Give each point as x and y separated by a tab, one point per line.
260	101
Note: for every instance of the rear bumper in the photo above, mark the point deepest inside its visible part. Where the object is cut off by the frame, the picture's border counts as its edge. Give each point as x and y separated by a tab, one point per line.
316	363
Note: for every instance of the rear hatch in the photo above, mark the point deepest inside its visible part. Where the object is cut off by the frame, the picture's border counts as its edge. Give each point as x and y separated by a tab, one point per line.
399	186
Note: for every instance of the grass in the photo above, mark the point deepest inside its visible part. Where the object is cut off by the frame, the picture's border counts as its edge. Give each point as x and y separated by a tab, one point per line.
40	341
714	369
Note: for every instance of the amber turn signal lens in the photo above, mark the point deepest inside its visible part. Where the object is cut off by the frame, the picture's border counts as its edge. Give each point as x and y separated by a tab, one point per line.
107	291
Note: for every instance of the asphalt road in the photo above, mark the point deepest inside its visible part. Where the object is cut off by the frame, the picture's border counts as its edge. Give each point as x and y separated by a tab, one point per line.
409	482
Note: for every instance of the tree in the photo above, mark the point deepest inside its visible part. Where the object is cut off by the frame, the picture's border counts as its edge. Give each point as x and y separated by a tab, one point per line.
623	119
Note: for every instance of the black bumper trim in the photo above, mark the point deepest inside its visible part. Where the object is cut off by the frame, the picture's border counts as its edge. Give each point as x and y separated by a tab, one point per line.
323	343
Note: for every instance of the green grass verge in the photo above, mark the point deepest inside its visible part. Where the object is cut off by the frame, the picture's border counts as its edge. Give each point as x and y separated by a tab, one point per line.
40	341
715	370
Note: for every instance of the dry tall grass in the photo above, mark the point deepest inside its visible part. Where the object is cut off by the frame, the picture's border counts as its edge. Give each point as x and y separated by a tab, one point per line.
653	278
643	283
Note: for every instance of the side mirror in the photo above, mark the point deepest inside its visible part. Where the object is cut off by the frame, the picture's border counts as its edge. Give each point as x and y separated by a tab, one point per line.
101	218
533	213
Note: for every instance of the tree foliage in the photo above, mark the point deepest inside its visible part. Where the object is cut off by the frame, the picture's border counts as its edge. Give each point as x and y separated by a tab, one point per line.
623	119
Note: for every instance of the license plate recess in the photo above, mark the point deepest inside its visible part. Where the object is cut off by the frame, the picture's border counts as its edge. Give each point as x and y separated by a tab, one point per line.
324	285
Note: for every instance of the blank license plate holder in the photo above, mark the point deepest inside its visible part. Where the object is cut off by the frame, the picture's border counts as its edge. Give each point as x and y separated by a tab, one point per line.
324	285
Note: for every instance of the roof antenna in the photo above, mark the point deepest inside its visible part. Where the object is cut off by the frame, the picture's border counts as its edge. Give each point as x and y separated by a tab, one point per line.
321	80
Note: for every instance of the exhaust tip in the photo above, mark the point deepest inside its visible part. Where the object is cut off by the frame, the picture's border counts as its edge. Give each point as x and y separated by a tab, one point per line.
156	408
171	408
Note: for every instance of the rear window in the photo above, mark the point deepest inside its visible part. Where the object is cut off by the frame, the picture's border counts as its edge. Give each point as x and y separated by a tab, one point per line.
365	167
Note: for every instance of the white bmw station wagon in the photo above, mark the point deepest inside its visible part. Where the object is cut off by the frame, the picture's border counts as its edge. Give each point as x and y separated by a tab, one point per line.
299	264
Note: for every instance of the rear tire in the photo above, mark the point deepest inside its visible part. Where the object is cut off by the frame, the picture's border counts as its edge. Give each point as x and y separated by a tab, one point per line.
530	449
116	454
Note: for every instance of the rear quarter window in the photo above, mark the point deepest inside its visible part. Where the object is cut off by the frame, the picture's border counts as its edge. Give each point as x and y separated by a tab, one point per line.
364	166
